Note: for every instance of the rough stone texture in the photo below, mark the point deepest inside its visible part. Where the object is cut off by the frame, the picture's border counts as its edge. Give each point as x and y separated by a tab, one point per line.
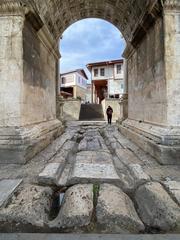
77	208
29	37
51	173
150	66
126	180
116	212
30	206
28	87
156	59
93	166
71	109
93	172
39	90
7	188
11	52
127	156
112	11
65	148
156	207
20	144
172	62
162	143
173	187
138	174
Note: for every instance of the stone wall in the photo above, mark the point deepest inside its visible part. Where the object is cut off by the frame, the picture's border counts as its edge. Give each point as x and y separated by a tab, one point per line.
146	78
80	92
39	69
71	109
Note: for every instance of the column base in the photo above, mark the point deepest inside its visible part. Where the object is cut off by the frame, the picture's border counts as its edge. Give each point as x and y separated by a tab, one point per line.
20	144
163	143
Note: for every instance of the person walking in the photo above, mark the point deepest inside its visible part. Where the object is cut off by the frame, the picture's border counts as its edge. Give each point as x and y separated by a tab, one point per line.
109	113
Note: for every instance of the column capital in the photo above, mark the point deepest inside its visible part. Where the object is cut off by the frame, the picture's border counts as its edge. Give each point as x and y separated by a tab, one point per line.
13	7
171	4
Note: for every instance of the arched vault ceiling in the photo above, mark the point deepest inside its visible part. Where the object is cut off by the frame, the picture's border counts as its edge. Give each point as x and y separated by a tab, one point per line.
59	14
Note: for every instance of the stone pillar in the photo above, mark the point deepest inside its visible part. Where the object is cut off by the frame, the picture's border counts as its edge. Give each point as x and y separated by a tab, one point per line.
172	60
28	84
124	99
125	76
11	67
59	108
153	57
123	108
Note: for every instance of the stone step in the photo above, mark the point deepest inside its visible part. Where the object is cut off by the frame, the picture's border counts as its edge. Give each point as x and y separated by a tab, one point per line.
93	172
91	112
51	173
173	187
7	188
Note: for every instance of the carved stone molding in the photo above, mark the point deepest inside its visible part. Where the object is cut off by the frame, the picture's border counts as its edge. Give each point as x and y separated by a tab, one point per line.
172	4
46	38
154	10
128	51
13	7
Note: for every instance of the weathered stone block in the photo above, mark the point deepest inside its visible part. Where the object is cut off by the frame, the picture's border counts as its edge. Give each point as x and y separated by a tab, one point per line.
77	208
173	187
156	208
29	207
20	144
51	173
93	172
7	188
115	211
138	174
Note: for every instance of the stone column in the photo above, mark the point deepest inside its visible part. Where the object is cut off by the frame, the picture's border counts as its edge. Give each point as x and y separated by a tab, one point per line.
28	84
125	76
172	60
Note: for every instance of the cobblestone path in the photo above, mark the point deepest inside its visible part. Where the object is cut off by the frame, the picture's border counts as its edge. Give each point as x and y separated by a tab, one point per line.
93	180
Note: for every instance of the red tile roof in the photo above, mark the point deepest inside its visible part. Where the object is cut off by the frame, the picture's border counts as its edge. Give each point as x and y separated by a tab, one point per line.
98	64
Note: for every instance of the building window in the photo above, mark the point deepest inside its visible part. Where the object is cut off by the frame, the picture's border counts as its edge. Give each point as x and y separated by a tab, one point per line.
102	72
79	80
122	86
63	80
96	72
118	68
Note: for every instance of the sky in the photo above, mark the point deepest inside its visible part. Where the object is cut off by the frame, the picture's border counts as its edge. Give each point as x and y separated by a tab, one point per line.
89	40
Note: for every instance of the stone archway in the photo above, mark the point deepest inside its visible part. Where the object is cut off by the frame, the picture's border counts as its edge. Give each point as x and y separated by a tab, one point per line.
29	65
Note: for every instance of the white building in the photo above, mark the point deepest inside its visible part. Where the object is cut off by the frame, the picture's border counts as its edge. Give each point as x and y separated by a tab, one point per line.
107	79
74	84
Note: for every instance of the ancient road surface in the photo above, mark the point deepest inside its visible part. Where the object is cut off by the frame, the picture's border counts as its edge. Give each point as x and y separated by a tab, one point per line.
90	180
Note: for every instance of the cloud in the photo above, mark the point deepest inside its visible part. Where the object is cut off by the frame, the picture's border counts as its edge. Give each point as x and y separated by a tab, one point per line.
89	40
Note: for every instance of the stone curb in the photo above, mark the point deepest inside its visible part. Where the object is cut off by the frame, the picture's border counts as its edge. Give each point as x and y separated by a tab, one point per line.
47	236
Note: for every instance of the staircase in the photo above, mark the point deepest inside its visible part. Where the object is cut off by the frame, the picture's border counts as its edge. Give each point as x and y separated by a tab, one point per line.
91	112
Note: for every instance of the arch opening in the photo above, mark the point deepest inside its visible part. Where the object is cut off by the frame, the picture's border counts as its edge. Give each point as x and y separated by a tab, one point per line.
91	41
